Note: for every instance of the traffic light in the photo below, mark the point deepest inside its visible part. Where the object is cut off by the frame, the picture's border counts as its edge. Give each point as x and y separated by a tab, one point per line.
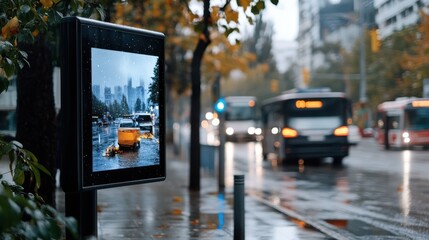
375	40
220	105
274	85
305	76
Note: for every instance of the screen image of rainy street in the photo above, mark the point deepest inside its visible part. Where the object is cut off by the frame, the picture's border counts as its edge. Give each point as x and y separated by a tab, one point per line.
125	110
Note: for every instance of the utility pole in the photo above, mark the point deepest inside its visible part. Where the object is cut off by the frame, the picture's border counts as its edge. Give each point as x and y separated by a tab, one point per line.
362	25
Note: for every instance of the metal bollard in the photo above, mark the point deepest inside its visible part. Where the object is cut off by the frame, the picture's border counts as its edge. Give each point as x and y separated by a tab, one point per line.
239	207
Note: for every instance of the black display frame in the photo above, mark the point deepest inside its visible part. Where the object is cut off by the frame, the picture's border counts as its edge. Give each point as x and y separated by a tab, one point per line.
78	37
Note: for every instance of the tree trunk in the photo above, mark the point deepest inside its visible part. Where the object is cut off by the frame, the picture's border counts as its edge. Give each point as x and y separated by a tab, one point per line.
203	43
35	112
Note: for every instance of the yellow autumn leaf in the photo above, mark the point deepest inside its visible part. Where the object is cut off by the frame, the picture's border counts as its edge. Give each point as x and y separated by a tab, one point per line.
11	28
176	212
35	33
264	67
231	15
46	3
215	14
177	199
245	4
195	222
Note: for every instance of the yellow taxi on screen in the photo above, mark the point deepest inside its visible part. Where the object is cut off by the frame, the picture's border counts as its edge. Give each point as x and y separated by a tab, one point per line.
128	134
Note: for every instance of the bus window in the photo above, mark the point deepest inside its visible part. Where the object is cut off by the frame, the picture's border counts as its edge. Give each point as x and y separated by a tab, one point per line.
313	123
238	113
394	122
417	119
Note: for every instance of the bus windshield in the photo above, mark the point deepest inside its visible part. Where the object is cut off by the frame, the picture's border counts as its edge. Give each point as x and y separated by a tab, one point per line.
329	115
418	119
312	123
239	113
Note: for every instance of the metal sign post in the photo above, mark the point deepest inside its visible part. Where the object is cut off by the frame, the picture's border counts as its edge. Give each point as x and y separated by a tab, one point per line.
220	107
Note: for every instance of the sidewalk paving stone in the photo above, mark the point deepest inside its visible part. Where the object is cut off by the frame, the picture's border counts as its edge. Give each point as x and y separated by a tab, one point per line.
169	210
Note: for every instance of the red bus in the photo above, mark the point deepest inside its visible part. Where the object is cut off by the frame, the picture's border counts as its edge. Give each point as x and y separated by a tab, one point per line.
403	123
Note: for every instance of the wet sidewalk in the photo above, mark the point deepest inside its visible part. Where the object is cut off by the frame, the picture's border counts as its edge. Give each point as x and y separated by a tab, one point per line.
169	210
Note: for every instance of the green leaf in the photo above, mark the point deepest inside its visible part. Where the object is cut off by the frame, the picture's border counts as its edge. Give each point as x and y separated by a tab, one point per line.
10	212
25	9
9	67
5	147
275	2
258	7
42	168
199	27
23	54
4	84
12	158
20	64
249	19
231	30
5	46
19	176
36	174
71	226
87	12
33	158
101	11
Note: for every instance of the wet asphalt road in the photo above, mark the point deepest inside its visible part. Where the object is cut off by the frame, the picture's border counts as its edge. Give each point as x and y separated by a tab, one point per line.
376	194
103	137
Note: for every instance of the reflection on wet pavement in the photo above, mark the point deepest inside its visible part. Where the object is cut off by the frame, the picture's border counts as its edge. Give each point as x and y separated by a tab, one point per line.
359	228
168	210
371	202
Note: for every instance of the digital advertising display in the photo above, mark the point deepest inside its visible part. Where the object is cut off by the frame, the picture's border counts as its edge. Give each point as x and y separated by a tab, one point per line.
112	80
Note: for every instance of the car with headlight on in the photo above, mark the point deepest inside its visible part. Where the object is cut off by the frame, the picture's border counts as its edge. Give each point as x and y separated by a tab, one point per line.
145	122
128	134
354	136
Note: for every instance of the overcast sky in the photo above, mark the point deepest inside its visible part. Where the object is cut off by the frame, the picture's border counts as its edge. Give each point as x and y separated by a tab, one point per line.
284	18
114	68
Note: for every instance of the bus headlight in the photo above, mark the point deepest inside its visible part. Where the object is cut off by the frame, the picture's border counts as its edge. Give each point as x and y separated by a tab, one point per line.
229	131
251	130
215	122
406	137
258	131
275	130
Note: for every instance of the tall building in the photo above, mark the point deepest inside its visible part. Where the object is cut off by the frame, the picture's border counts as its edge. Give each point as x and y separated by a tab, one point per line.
108	96
308	36
96	91
118	94
320	22
394	15
140	94
131	98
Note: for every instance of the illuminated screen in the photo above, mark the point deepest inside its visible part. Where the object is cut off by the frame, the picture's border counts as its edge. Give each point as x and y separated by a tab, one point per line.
125	110
113	105
422	103
308	104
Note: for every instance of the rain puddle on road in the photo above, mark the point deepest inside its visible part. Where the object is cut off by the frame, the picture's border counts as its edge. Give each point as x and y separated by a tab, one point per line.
359	228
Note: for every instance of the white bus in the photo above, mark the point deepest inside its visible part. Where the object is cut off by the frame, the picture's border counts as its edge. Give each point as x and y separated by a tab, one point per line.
241	119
